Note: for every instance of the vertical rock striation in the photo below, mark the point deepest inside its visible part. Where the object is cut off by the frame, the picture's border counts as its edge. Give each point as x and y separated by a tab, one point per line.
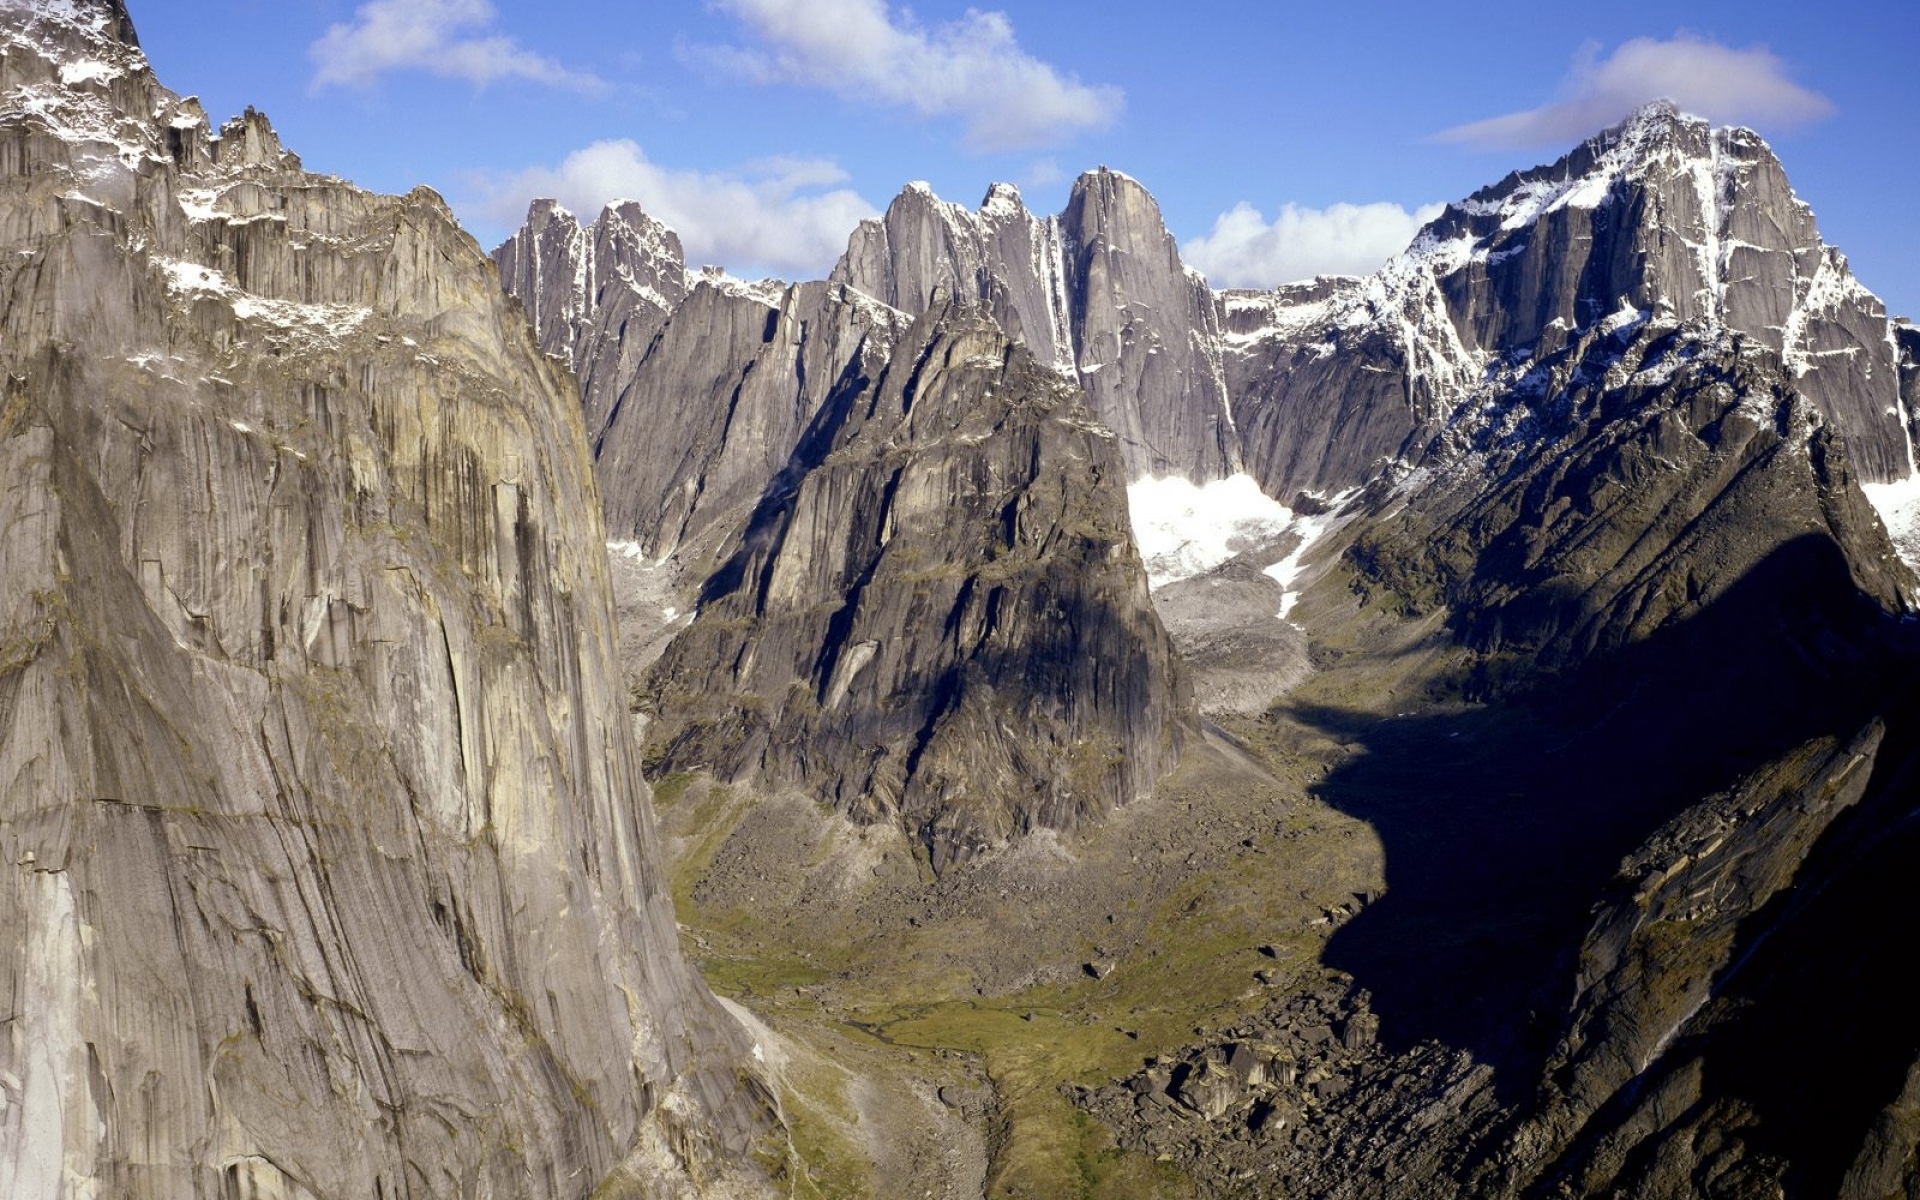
321	827
711	412
596	294
1099	291
937	616
1661	219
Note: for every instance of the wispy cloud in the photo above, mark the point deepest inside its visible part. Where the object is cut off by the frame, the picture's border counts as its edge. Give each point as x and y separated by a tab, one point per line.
1244	249
1705	78
784	216
971	69
448	38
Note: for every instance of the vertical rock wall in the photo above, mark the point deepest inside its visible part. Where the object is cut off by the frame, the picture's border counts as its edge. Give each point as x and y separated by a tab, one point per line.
319	817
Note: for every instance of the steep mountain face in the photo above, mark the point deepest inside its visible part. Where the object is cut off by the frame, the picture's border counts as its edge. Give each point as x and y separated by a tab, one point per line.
1669	695
1906	340
1617	487
596	294
1662	217
1099	290
328	859
1013	261
711	412
937	617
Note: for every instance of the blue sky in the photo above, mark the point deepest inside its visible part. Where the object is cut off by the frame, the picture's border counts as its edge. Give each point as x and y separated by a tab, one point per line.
1280	137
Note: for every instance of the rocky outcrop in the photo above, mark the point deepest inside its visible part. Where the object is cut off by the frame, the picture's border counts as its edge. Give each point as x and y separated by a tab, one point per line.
326	849
1618	488
1906	342
1100	291
1681	912
1662	218
714	408
937	616
596	294
1011	260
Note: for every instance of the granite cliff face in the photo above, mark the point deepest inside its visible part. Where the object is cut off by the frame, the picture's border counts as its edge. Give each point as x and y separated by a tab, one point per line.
1099	291
596	294
937	616
327	850
712	410
1660	218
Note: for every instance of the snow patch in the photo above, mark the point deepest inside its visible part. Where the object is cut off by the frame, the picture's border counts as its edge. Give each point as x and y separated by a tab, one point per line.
1898	504
1310	530
328	320
1184	529
89	71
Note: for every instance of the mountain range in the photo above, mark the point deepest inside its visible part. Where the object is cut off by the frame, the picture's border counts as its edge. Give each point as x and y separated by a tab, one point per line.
1446	732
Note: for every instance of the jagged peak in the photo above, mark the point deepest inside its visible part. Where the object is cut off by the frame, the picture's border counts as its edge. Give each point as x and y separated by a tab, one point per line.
249	140
633	215
99	18
544	209
1657	134
1003	200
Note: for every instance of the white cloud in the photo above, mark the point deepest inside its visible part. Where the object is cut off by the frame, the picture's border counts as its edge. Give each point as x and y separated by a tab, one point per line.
447	38
1705	78
775	215
972	68
1244	249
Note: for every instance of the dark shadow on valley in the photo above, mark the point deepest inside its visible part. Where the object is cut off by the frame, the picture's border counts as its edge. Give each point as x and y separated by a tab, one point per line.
1814	1029
1502	822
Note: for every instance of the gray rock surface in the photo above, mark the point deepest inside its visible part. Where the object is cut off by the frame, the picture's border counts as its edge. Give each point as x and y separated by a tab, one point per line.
1666	938
1617	489
1906	341
714	408
1661	218
596	294
937	617
326	852
1099	291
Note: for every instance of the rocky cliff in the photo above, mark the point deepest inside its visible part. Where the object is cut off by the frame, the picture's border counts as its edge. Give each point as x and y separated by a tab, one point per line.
713	409
1099	291
1662	217
596	294
328	856
1617	488
937	616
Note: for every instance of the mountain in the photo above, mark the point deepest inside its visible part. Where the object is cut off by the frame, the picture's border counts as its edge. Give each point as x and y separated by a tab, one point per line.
936	616
710	413
598	293
1556	645
1099	292
1662	218
331	872
1644	643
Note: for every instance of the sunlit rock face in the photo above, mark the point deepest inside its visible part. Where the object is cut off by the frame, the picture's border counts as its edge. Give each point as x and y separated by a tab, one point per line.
1098	292
326	858
937	616
1660	220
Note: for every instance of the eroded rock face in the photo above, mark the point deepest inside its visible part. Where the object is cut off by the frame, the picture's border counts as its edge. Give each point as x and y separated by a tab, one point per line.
1620	487
596	294
711	413
937	616
325	842
1099	291
1661	218
1906	341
